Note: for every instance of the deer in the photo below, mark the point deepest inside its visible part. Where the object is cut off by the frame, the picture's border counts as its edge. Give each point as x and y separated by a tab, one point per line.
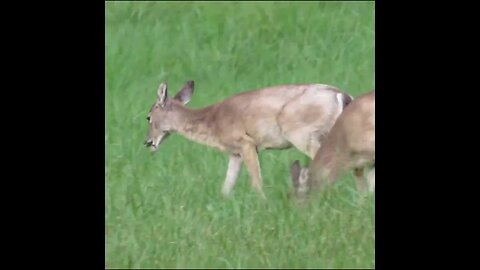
242	125
350	145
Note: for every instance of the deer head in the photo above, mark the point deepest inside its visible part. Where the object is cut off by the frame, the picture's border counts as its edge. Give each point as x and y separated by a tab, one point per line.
161	117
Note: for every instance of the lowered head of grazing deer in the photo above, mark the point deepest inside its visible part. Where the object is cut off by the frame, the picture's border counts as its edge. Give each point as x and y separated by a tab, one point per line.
162	117
246	123
349	145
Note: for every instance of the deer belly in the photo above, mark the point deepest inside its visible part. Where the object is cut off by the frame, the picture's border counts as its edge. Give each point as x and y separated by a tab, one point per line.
270	137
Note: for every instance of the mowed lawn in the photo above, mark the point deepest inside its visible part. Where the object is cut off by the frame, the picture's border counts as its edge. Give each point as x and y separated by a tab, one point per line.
165	210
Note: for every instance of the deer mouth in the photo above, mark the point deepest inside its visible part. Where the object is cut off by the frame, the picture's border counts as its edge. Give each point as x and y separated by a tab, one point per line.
153	147
153	144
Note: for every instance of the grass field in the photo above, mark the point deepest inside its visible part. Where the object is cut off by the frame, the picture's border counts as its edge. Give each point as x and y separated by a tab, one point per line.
166	210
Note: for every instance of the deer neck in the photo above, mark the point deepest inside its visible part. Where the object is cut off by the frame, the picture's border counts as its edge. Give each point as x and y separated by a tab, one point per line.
197	125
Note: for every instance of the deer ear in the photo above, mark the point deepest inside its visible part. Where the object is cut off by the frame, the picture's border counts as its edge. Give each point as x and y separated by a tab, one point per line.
295	173
185	95
162	93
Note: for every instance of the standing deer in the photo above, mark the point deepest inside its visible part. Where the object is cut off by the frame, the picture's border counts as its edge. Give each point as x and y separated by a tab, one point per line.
274	117
349	145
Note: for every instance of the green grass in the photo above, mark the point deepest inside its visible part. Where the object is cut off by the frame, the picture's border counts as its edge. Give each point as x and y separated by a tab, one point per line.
166	210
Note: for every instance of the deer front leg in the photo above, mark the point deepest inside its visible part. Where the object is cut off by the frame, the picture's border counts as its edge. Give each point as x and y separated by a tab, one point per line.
250	158
234	163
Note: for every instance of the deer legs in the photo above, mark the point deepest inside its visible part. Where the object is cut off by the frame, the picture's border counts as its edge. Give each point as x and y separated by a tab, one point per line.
250	158
234	164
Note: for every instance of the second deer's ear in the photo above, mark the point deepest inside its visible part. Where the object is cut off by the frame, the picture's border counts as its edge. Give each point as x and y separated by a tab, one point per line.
185	95
162	94
295	170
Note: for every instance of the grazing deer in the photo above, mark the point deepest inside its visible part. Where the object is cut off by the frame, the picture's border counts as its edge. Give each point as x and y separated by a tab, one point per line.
350	144
275	117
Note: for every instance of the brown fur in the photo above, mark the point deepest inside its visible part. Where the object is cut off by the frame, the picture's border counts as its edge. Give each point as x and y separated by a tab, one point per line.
349	145
275	117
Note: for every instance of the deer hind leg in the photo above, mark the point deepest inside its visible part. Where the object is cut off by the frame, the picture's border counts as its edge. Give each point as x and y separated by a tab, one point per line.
234	164
360	179
371	180
250	158
313	146
304	140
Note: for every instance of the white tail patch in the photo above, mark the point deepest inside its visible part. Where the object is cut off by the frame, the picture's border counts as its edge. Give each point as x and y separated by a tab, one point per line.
343	101
340	99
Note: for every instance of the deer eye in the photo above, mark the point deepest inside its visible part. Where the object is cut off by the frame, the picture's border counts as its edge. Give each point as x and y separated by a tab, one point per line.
148	118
